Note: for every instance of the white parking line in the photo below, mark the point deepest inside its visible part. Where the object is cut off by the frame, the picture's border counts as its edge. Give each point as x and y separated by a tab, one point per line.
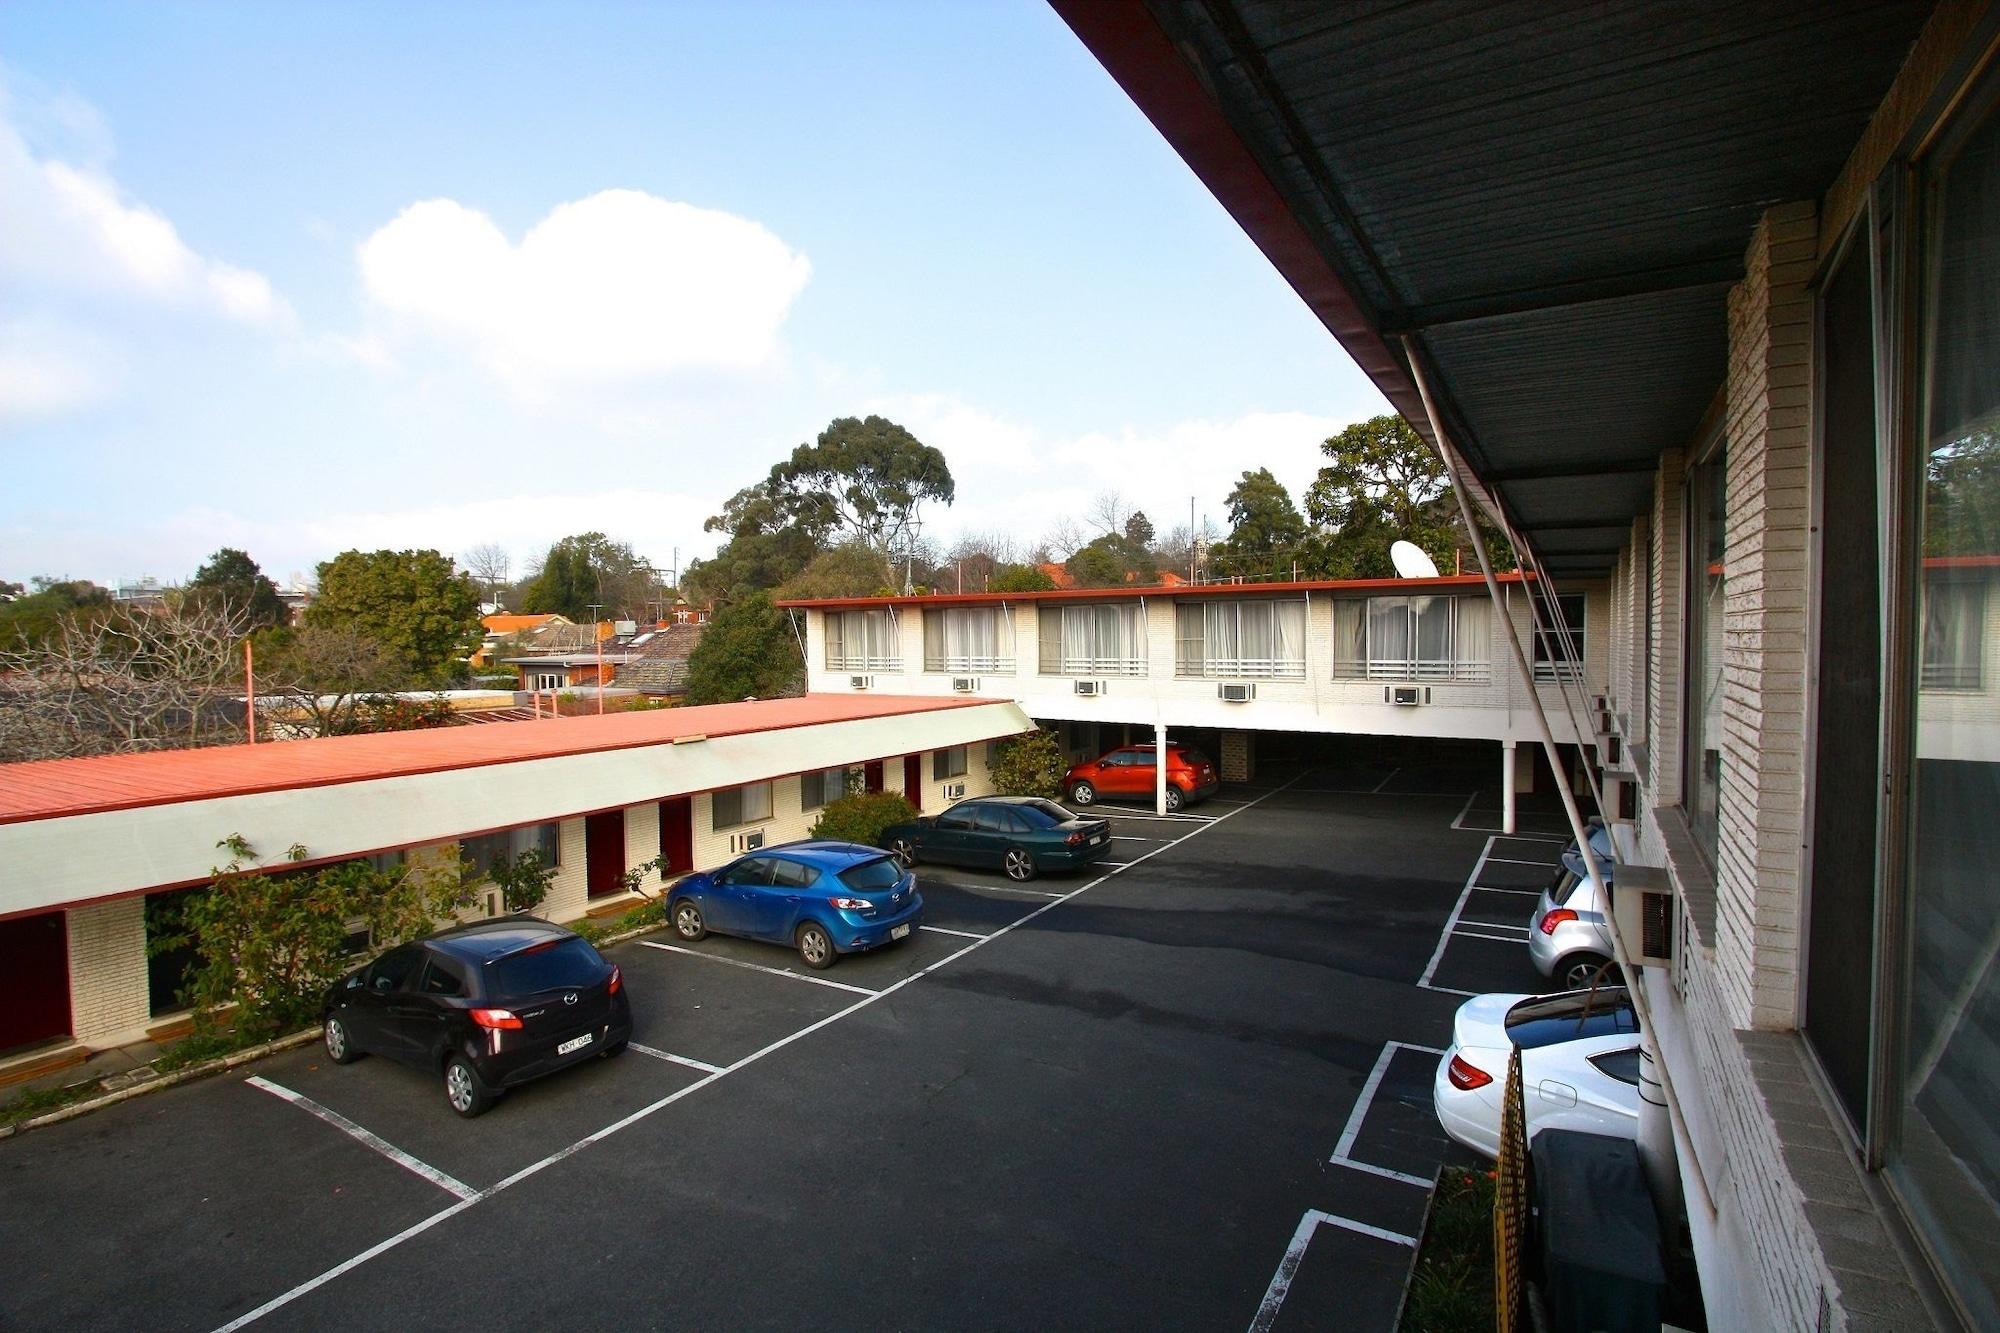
313	1284
450	1184
703	1065
1494	888
1464	934
942	930
1451	922
1133	837
1359	1114
1002	888
758	967
1193	819
1385	781
1288	1267
1512	861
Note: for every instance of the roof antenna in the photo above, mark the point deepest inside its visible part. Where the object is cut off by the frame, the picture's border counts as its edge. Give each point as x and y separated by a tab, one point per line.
1411	562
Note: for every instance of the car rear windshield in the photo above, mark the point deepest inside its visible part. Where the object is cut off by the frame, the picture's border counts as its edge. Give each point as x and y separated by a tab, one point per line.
1543	1021
1194	758
872	876
1564	885
1043	814
559	966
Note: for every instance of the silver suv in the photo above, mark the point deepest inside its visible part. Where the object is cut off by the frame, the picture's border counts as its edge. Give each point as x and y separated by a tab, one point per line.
1569	936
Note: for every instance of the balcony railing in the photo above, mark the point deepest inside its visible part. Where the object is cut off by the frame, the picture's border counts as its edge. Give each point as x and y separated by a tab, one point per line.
969	664
1418	669
1095	666
1951	676
862	662
1244	668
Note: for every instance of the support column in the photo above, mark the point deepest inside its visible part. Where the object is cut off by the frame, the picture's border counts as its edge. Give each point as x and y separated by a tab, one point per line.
1507	786
1159	768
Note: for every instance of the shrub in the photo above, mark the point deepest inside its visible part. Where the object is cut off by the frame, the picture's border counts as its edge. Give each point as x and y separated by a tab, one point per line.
1031	764
523	880
862	817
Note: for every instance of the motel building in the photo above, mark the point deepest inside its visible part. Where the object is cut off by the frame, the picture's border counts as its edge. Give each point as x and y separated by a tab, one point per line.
1702	303
91	844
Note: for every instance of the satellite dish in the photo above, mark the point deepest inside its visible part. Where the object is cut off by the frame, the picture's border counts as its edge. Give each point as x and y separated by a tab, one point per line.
1411	562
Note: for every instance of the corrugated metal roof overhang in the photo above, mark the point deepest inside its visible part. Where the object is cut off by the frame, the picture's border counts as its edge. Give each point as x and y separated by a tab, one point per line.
1551	200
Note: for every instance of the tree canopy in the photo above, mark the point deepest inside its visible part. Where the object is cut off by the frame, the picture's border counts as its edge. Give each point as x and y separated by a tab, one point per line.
1111	561
1020	578
33	617
412	603
1384	484
231	578
747	651
589	571
851	569
1265	532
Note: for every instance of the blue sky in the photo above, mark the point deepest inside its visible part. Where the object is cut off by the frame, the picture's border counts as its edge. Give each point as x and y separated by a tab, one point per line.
296	278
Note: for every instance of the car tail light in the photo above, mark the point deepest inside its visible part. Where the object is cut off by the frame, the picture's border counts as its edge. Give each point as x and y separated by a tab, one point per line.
1075	838
1556	918
851	904
1466	1077
496	1018
617	981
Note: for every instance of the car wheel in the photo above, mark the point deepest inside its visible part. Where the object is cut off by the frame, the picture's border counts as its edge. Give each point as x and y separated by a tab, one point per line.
1174	798
1581	971
340	1047
1082	793
687	921
815	946
1019	864
904	852
463	1091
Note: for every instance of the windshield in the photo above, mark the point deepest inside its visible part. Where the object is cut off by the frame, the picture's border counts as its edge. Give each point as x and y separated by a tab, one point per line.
1194	758
872	876
563	965
1043	814
1564	886
1544	1021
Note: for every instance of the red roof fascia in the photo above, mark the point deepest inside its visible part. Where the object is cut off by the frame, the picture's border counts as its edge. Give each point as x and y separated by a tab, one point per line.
55	787
1175	590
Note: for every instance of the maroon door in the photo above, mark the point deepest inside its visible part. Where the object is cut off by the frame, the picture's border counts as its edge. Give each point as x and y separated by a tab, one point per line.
913	779
34	957
874	774
603	853
677	835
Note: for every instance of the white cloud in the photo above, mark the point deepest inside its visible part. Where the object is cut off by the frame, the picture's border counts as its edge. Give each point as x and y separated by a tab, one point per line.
70	227
44	373
621	285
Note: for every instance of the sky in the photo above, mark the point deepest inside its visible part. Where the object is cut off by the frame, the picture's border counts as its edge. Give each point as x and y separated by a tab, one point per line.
298	278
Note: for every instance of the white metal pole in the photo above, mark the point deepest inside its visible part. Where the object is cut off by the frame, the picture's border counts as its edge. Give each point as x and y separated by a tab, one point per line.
1159	768
1507	786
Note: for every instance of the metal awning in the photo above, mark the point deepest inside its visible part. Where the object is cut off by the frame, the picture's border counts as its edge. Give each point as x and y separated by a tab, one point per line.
1550	200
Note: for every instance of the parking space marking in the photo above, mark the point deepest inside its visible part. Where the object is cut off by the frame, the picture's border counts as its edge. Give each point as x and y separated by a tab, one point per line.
703	1065
758	967
1133	837
945	930
1451	922
450	1184
1001	888
1194	819
1385	781
1516	861
1468	934
1295	1253
410	1232
1494	888
1359	1114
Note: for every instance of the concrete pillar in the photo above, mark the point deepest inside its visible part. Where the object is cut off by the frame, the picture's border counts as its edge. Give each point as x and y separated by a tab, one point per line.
1507	786
1239	756
1159	768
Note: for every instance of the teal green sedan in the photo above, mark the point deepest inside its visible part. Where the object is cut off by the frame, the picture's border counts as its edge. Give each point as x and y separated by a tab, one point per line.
1020	835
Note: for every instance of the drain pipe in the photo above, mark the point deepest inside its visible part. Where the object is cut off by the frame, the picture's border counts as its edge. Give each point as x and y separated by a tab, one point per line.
1656	1142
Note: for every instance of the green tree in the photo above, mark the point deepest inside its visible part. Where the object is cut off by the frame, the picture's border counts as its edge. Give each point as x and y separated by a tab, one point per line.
768	544
1385	484
1265	532
231	578
1962	496
1020	578
862	816
1111	561
590	570
1031	764
1139	530
33	617
747	651
413	603
851	569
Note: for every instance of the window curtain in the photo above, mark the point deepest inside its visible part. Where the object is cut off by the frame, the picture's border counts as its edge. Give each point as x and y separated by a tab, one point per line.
969	638
861	640
1103	640
1954	633
1350	637
1255	638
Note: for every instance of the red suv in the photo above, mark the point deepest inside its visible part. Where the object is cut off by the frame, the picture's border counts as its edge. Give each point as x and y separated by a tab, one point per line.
1128	772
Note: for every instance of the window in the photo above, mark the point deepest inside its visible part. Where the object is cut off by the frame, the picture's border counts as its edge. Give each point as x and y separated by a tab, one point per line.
959	817
393	968
388	863
996	819
741	805
822	787
862	641
563	964
948	763
441	978
1621	1065
791	875
1954	632
1708	509
1559	640
546	680
1413	638
1093	640
1265	639
751	871
969	638
482	852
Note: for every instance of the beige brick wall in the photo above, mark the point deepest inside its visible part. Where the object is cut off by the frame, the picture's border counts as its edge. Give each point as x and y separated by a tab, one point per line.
1764	623
107	968
1663	755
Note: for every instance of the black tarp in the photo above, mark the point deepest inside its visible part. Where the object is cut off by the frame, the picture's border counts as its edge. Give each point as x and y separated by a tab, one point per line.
1597	1237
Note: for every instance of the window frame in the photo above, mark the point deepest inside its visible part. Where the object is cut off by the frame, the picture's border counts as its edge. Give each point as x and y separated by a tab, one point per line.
864	661
742	806
943	759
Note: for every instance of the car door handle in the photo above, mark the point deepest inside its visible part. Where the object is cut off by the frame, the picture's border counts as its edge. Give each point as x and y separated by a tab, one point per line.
791	897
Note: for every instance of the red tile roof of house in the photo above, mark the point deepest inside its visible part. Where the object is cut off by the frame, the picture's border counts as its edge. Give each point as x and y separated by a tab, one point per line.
52	787
514	624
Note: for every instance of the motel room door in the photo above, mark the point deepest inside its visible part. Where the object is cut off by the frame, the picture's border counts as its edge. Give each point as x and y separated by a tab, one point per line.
603	853
873	775
913	779
34	957
677	835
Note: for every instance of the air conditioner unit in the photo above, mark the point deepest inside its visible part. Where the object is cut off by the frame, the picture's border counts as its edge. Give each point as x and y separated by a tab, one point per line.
860	682
1236	694
1642	901
955	791
1090	688
1407	696
747	842
965	684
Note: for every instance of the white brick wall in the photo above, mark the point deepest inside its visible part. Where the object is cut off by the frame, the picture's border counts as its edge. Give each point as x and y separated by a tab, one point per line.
107	966
1669	575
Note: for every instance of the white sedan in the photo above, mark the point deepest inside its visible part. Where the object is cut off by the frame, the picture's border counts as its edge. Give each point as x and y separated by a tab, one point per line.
1579	1065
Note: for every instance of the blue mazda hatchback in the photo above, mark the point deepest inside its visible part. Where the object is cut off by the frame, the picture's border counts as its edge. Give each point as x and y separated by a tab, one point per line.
822	898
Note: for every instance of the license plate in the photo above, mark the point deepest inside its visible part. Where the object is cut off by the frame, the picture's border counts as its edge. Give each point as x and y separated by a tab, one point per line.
897	932
574	1044
1096	839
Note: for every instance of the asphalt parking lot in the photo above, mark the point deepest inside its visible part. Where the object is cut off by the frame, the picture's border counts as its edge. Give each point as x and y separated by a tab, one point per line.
1189	1088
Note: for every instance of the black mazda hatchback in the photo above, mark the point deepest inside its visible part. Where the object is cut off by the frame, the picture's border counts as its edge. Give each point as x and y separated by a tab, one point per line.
485	1007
